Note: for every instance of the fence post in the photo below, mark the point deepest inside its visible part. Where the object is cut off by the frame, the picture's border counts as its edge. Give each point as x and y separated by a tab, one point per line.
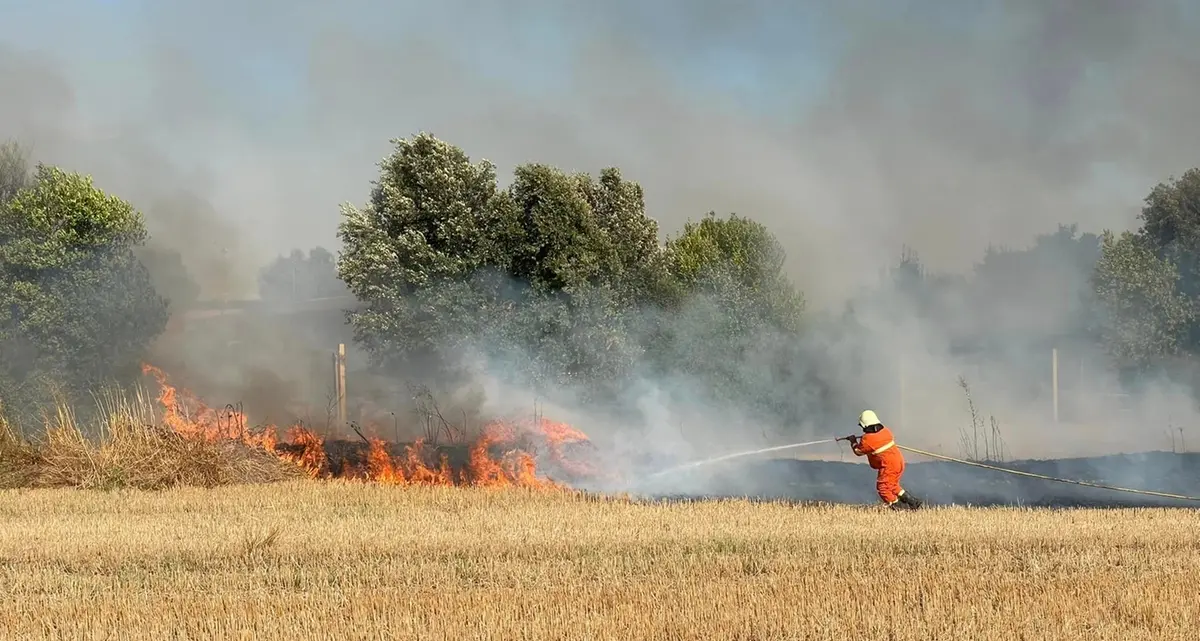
341	384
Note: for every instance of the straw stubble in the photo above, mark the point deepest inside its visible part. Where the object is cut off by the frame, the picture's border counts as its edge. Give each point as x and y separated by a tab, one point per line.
347	560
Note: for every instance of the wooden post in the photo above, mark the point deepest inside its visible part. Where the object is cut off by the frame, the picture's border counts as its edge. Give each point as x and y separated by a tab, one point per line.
341	383
337	389
1054	379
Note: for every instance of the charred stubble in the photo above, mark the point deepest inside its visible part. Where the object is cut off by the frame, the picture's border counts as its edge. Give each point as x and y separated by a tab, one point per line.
358	561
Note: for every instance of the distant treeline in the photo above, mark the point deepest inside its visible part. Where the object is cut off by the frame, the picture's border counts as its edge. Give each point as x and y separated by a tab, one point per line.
561	281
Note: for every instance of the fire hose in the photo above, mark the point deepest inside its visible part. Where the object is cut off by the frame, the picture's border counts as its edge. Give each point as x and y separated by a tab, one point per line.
1045	477
942	457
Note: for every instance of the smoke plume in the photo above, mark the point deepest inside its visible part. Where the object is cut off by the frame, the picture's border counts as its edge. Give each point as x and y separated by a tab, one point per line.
852	132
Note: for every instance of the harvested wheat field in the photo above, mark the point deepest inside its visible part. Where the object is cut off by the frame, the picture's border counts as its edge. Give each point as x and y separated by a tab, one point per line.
351	560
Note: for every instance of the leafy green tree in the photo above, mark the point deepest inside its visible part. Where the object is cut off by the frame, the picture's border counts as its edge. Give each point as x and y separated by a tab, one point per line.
588	259
559	232
417	253
544	271
1144	316
560	276
733	314
76	306
738	263
1171	227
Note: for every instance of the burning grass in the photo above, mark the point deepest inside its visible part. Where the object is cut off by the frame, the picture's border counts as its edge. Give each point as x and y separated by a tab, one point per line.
178	440
129	449
503	454
343	560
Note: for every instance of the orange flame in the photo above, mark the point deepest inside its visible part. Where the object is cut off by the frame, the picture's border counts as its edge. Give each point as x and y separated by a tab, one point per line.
188	416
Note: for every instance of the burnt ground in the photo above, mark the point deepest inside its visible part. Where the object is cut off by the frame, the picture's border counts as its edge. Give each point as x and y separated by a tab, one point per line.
947	483
935	482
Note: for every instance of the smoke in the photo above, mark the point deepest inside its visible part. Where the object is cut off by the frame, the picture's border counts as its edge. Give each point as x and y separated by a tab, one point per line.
239	127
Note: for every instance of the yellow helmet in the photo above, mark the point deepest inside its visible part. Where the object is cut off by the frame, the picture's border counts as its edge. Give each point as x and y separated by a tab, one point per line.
867	419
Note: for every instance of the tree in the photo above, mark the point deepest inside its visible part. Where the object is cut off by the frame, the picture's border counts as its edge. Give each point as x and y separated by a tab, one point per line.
543	272
1144	315
1171	227
299	277
1147	282
737	263
433	223
76	306
560	278
586	257
732	316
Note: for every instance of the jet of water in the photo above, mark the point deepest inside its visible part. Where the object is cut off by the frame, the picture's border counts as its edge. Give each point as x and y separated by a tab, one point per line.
717	459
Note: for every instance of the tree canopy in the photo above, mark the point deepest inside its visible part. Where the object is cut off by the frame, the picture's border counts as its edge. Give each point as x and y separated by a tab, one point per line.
560	278
561	274
1149	279
76	306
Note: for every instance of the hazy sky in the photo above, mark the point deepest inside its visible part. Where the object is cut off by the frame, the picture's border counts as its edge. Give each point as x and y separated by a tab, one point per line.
851	132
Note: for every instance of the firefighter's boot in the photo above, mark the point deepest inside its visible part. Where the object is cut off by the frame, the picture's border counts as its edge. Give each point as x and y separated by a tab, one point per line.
910	501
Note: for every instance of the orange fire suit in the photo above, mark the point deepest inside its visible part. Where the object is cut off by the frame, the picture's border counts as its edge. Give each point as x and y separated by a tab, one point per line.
883	455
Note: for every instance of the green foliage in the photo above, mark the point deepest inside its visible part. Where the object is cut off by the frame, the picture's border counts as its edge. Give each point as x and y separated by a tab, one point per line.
76	305
1171	227
1148	282
739	263
433	221
442	258
561	275
730	311
1145	316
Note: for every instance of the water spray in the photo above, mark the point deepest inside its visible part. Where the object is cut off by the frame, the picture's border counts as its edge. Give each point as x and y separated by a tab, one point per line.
718	459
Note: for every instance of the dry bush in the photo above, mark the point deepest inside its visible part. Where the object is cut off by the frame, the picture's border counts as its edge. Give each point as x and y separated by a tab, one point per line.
130	449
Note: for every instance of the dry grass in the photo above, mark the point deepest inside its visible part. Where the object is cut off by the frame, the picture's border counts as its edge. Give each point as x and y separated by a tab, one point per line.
339	560
129	448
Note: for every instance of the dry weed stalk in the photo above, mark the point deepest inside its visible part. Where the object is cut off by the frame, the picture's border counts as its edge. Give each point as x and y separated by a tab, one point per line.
993	445
128	447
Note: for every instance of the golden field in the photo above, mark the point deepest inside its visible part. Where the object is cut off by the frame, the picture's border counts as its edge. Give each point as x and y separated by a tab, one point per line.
348	560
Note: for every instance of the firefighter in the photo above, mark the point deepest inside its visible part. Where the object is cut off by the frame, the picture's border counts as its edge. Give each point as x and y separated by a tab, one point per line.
879	446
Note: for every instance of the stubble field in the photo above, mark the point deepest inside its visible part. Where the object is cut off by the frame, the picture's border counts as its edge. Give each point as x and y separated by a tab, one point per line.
345	560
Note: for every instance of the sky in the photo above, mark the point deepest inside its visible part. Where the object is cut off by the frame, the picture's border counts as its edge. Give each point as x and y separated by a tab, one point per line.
851	129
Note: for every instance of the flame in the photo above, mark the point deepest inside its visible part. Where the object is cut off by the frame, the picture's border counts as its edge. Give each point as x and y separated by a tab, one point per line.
188	416
312	451
556	437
